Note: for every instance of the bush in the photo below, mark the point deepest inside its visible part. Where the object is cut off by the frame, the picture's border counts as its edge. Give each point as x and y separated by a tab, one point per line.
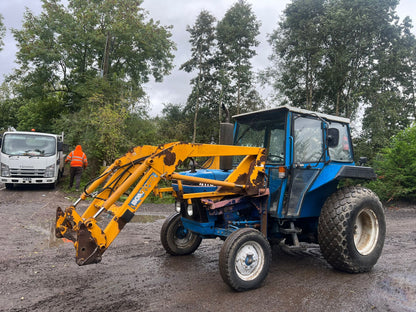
396	168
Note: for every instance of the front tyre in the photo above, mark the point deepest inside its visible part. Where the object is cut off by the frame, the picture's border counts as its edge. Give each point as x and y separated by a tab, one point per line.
352	229
244	259
176	239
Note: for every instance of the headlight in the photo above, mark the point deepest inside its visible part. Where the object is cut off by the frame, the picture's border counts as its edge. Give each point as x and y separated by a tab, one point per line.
5	170
178	206
186	207
50	171
189	210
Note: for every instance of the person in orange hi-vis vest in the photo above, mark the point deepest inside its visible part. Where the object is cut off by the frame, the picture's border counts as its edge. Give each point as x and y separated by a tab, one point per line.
78	162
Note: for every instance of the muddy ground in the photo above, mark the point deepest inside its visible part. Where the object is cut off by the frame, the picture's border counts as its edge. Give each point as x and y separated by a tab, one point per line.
38	272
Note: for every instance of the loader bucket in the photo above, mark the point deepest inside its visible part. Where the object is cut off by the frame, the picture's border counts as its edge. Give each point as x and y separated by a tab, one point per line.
87	250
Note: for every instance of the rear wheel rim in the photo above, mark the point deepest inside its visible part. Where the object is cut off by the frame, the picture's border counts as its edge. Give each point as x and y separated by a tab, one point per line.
366	231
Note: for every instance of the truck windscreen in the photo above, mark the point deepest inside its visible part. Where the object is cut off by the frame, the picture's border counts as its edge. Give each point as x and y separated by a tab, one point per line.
28	145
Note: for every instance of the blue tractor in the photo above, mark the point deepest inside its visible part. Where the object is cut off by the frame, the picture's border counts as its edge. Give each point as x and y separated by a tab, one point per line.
309	155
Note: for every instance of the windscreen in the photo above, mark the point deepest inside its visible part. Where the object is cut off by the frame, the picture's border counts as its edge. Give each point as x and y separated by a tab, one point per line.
28	145
267	133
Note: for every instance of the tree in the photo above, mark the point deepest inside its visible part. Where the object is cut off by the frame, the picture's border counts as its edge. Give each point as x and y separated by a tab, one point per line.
408	66
396	167
64	48
221	58
339	56
327	52
236	35
358	52
78	62
202	39
174	124
390	95
297	54
8	107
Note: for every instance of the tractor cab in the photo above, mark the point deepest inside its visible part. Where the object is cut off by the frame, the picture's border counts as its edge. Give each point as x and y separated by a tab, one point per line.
305	150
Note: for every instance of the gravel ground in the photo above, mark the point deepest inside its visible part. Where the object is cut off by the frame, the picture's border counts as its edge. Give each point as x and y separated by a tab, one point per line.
39	273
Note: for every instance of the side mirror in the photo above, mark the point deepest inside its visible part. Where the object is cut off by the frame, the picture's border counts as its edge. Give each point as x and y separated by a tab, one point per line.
60	146
362	161
332	138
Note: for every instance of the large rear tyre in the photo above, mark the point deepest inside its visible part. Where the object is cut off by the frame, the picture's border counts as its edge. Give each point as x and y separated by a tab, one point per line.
176	239
352	229
245	259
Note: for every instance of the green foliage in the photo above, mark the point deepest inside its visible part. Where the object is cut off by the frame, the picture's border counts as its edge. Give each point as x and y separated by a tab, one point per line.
106	136
202	60
297	54
140	130
333	56
396	168
82	66
221	58
39	114
68	46
236	35
173	125
8	107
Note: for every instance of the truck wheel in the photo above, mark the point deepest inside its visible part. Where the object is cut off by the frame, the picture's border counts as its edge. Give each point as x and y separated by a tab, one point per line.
245	259
351	229
9	186
176	239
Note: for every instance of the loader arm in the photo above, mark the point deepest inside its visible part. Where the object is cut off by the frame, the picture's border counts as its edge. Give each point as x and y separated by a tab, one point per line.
137	174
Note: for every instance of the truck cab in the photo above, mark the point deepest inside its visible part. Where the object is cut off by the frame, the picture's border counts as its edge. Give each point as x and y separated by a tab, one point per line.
31	158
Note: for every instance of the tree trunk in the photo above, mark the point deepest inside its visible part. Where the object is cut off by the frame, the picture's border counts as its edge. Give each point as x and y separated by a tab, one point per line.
337	104
106	56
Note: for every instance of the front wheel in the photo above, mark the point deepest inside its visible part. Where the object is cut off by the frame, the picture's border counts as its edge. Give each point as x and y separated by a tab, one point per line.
176	239
351	230
245	259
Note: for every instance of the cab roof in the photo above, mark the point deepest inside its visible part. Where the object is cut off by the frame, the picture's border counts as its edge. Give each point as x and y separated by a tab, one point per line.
286	108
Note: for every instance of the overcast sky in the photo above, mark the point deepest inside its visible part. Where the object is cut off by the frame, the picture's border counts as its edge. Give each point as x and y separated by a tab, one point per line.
179	13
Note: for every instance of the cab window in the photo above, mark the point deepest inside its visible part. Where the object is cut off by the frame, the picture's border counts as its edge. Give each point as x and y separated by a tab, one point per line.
341	152
308	141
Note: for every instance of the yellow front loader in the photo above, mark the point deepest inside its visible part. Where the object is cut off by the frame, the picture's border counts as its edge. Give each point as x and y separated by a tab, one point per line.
137	174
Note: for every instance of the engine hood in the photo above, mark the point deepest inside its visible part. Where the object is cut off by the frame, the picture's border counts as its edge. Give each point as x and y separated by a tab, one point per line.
192	187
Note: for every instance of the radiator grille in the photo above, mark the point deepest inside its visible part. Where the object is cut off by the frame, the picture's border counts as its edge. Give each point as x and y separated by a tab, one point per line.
27	173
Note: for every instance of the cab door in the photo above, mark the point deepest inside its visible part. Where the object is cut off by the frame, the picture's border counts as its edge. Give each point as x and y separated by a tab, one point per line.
308	156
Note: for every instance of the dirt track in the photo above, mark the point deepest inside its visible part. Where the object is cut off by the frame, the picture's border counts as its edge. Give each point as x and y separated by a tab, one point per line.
38	272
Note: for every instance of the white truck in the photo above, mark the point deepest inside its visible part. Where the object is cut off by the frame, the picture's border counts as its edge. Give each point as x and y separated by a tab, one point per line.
31	158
